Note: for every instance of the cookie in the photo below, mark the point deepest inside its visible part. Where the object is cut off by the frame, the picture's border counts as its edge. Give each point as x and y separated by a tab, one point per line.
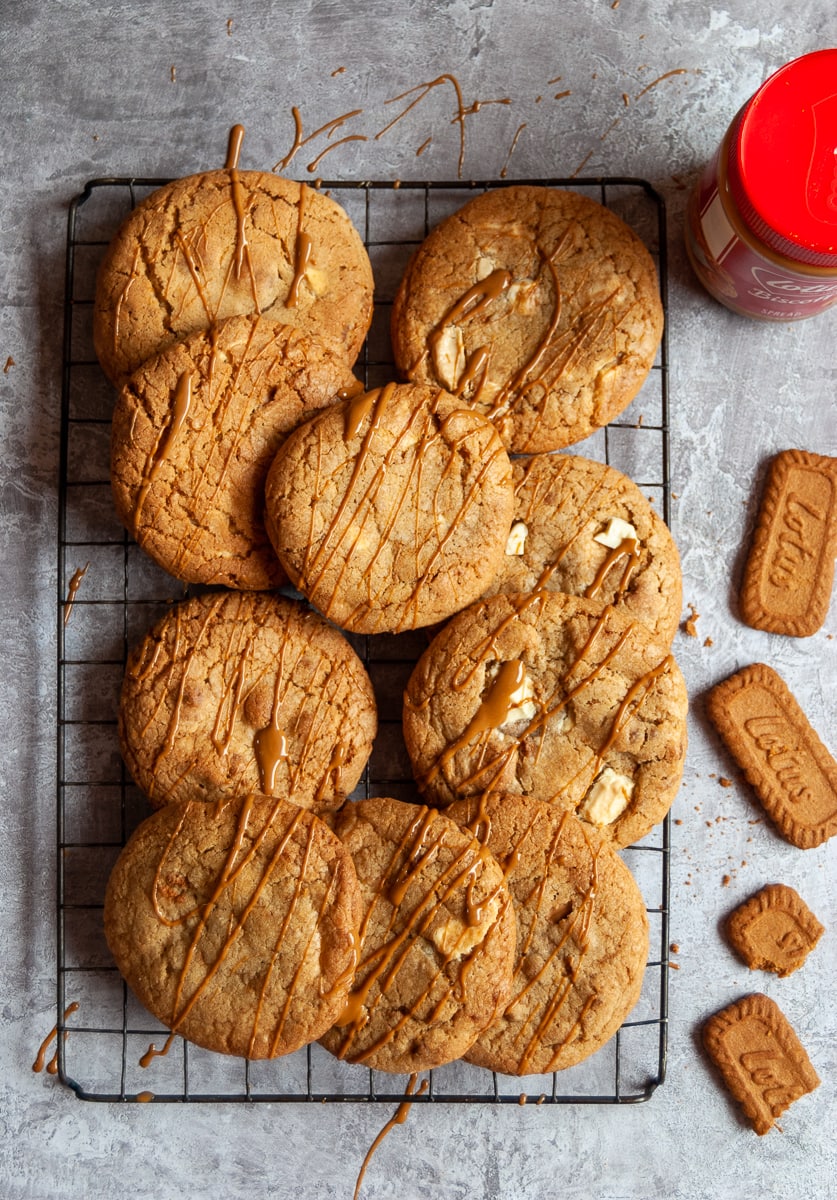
771	739
549	696
762	1062
539	307
235	923
774	930
223	244
437	938
582	935
790	569
584	528
245	691
193	434
391	510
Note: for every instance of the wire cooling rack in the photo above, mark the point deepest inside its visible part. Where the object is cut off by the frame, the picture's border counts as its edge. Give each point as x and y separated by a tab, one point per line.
109	594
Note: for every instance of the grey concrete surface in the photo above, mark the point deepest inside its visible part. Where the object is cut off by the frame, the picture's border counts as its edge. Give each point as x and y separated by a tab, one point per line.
97	89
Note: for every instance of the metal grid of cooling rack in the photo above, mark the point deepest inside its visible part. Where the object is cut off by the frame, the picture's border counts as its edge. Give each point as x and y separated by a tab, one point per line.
118	597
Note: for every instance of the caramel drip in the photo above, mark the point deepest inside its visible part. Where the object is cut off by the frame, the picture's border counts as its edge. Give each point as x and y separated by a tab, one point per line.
181	403
424	89
72	591
123	296
659	79
144	1097
427	142
236	861
234	148
383	965
334	771
505	168
399	1118
240	207
304	247
271	747
196	270
476	367
40	1058
628	549
152	1052
358	410
300	141
350	137
472	302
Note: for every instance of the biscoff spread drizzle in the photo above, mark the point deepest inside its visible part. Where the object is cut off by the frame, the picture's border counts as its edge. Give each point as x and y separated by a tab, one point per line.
302	255
405	442
489	758
401	1114
72	591
291	738
40	1058
240	858
164	444
417	889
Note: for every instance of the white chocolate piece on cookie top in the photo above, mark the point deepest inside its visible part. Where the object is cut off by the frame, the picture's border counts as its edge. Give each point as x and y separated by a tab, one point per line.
615	532
608	797
516	543
522	705
449	355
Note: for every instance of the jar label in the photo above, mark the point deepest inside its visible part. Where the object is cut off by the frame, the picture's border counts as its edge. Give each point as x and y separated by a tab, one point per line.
736	274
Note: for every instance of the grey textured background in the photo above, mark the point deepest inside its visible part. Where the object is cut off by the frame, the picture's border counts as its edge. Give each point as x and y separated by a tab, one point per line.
92	89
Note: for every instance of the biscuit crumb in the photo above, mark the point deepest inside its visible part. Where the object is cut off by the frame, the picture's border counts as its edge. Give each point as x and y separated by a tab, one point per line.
10	362
674	966
724	782
229	26
726	881
174	74
708	642
678	821
674	948
690	624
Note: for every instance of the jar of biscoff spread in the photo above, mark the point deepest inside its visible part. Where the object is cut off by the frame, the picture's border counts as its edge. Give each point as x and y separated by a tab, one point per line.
761	227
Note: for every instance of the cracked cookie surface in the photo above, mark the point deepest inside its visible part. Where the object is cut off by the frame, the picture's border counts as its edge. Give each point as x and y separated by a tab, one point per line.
193	434
235	923
222	244
391	510
245	691
550	696
584	528
582	936
436	941
538	306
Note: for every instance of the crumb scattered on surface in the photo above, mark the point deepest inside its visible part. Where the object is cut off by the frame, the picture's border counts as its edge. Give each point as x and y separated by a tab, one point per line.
690	624
724	782
10	362
708	642
726	881
674	948
678	821
674	966
174	74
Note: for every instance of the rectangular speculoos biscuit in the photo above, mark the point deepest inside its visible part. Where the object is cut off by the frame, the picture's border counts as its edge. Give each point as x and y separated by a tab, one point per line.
773	742
763	1063
790	570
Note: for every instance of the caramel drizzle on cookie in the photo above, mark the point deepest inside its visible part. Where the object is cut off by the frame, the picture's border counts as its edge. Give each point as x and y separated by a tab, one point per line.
365	418
304	249
378	971
274	744
164	444
489	768
238	859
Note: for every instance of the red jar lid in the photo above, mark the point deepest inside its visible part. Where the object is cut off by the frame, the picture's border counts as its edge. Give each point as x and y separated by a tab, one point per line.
782	167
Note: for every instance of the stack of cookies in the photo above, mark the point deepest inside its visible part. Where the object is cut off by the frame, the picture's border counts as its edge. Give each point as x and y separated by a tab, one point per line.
260	907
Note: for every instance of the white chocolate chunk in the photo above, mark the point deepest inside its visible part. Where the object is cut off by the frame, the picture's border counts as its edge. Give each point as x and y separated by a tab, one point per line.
516	541
455	938
318	280
523	296
484	268
522	706
615	533
449	355
608	797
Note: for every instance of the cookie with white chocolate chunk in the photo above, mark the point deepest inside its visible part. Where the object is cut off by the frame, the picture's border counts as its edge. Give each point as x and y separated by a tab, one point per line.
584	528
550	696
538	306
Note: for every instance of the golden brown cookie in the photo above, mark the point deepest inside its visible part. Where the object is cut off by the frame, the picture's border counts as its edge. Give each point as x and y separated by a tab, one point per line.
235	923
391	510
193	434
774	930
762	1062
790	569
245	691
585	528
538	306
772	740
547	695
222	244
437	938
582	935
